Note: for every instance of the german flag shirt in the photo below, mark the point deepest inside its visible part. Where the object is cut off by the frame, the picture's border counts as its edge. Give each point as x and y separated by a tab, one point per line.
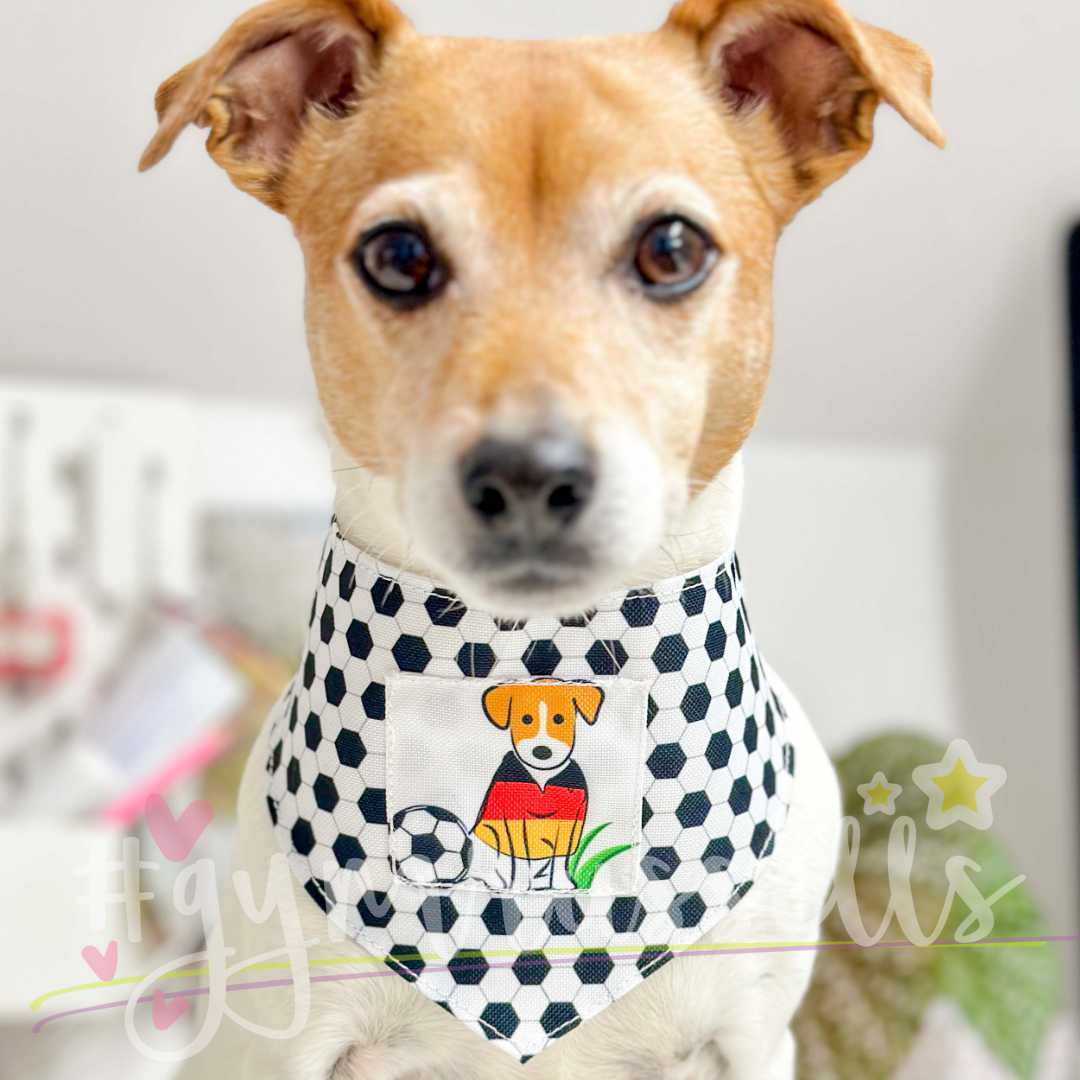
525	820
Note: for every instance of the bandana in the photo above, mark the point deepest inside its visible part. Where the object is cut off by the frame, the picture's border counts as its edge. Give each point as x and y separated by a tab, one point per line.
526	818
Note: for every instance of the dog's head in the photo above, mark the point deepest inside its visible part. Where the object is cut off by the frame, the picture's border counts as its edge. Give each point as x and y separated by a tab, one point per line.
542	717
539	274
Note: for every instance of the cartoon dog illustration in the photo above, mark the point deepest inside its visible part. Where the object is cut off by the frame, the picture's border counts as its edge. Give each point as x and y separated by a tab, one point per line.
533	814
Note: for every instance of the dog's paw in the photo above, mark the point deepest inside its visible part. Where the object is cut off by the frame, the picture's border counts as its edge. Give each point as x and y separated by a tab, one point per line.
704	1063
380	1062
709	1062
376	1062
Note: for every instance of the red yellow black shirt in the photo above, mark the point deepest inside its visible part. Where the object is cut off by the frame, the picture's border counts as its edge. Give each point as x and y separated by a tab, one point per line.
519	817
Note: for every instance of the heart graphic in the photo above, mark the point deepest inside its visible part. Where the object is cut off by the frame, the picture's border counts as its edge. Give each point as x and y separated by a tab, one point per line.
167	1011
177	836
103	966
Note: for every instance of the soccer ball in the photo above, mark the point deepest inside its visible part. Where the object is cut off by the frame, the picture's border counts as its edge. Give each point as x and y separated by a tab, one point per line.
430	846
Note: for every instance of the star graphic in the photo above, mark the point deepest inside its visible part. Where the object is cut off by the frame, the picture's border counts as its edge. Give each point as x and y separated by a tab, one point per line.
959	788
879	796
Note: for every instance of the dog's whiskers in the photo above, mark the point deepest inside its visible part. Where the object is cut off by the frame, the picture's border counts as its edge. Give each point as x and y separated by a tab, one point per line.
452	604
671	558
611	653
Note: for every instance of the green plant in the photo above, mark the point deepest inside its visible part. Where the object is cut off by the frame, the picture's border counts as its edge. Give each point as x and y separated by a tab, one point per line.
583	874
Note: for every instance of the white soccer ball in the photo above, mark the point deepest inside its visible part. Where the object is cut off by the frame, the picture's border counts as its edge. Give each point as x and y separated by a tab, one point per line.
430	846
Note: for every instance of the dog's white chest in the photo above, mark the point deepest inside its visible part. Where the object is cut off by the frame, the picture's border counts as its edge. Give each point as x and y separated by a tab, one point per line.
526	819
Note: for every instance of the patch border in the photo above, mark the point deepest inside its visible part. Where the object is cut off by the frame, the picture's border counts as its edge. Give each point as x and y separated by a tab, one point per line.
640	689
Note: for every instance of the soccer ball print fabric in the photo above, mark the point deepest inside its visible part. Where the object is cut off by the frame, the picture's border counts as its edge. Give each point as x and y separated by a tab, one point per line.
526	818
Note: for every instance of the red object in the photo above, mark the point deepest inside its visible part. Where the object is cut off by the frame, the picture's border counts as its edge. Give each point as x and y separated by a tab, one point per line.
523	819
509	801
34	644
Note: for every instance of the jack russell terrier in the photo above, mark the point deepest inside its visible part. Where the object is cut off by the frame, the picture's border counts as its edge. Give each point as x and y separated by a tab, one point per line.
539	312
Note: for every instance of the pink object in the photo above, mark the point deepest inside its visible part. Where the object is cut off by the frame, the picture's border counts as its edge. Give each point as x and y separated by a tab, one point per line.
34	644
194	758
177	836
167	1011
103	966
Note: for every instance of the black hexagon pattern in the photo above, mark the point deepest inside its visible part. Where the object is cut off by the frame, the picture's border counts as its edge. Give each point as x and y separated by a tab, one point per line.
523	969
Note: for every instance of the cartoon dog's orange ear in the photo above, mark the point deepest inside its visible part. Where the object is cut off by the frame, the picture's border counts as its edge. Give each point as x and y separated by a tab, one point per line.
587	701
498	702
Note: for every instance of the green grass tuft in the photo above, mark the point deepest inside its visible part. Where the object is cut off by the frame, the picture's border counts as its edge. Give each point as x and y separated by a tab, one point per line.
583	875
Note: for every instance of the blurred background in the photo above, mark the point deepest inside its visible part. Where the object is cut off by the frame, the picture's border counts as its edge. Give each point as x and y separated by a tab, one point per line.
908	484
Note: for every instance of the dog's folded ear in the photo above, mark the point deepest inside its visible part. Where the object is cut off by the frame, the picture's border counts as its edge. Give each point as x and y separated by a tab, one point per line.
587	701
801	80
498	702
273	70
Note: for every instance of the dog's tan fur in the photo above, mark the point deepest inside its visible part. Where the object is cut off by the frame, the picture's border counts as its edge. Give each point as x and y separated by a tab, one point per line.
530	164
539	126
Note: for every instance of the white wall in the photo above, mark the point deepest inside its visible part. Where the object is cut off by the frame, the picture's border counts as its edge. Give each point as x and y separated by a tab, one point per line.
920	298
923	588
842	546
920	326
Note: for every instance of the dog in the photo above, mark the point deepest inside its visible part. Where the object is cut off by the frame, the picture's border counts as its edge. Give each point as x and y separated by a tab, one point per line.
538	302
535	807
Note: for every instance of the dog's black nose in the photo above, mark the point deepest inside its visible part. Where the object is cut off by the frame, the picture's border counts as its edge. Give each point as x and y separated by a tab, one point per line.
540	484
542	752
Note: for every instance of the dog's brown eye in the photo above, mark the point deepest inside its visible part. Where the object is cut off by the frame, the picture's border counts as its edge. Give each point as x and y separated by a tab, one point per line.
527	720
398	264
558	718
674	256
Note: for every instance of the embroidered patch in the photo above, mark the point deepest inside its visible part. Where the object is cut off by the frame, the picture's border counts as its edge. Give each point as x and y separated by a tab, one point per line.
519	786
